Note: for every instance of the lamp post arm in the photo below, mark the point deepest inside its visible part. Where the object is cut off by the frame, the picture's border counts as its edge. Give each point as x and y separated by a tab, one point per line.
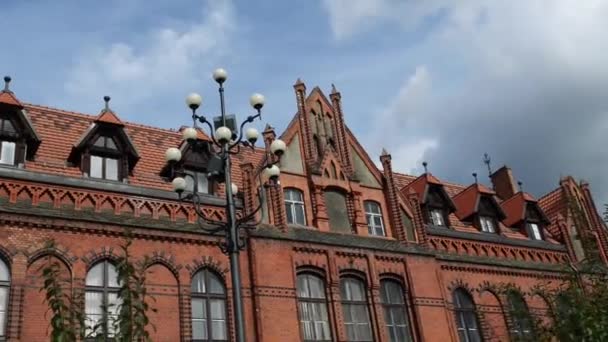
249	119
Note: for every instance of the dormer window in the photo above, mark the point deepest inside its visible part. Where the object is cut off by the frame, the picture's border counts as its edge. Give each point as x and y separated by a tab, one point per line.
105	159
202	184
535	231
437	206
487	224
8	146
534	222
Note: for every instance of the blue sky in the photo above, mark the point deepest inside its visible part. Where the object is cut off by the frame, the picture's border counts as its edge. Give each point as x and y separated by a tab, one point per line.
436	80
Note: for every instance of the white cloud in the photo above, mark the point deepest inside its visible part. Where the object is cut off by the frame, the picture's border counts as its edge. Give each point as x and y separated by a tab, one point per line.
522	80
167	56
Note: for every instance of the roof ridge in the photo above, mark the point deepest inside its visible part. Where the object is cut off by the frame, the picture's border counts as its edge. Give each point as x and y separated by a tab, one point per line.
92	117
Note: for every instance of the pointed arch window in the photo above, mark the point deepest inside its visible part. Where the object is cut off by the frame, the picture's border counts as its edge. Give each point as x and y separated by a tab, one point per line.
5	283
395	311
354	309
466	316
521	320
312	308
373	215
294	206
209	323
101	300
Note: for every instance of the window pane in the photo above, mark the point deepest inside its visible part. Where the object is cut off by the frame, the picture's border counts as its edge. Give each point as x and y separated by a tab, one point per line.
4	273
289	212
3	304
203	183
95	275
352	289
218	307
535	231
300	219
198	283
199	329
113	310
111	169
198	308
316	287
8	126
7	153
218	330
93	302
96	167
112	276
110	143
2	322
189	181
215	284
100	142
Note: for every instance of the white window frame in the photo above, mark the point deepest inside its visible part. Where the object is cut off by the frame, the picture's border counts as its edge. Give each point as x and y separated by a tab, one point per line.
535	231
370	215
488	224
293	204
104	167
437	218
9	147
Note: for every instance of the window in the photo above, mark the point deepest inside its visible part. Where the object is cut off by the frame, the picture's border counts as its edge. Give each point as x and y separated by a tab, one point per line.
354	310
7	152
5	282
101	300
436	217
105	159
294	206
202	182
373	214
521	321
208	307
337	211
395	311
312	306
535	233
466	317
487	224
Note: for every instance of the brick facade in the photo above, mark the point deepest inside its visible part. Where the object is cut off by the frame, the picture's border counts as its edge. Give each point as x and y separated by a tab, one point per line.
47	197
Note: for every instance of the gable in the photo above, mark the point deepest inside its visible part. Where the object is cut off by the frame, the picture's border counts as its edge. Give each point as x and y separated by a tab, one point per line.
291	161
362	172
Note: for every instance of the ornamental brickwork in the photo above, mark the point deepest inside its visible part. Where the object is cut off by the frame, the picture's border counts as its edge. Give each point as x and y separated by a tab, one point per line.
429	238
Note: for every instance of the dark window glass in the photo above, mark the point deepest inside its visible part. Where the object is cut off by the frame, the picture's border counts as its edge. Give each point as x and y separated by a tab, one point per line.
209	322
294	206
7	127
101	300
5	283
312	306
354	310
521	320
373	215
395	311
105	142
466	317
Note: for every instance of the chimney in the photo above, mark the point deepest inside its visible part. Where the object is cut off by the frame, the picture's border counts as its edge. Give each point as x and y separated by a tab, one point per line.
504	185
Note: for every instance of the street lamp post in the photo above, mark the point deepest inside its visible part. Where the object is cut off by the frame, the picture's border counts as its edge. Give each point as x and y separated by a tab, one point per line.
227	142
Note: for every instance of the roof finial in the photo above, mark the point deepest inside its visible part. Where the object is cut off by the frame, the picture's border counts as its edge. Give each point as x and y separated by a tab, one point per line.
487	160
425	164
333	89
384	152
7	80
521	186
475	176
106	99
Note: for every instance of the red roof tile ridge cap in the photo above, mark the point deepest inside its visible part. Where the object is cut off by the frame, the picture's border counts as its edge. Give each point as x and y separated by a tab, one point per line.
92	117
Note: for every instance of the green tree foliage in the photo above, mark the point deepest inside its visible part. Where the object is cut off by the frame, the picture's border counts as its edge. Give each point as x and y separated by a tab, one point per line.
67	307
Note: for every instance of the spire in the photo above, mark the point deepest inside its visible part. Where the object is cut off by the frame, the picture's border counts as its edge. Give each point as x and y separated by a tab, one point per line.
7	81
107	115
7	96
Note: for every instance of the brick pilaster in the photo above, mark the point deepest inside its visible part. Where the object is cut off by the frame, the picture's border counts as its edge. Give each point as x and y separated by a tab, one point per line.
418	221
307	141
336	100
390	190
360	223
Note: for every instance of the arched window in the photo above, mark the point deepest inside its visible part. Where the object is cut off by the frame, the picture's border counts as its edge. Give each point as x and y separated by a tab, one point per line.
5	283
395	311
354	310
294	206
373	214
208	307
521	320
466	317
312	306
101	300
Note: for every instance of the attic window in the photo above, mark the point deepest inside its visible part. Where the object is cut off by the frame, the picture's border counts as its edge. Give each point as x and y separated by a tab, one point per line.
534	223
487	216
11	150
487	224
535	231
105	160
436	208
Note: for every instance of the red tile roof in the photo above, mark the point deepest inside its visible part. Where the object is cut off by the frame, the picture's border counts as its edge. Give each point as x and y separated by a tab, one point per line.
59	130
466	201
515	208
7	97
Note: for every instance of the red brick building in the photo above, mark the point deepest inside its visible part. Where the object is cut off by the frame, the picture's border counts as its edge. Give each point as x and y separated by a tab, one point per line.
347	251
